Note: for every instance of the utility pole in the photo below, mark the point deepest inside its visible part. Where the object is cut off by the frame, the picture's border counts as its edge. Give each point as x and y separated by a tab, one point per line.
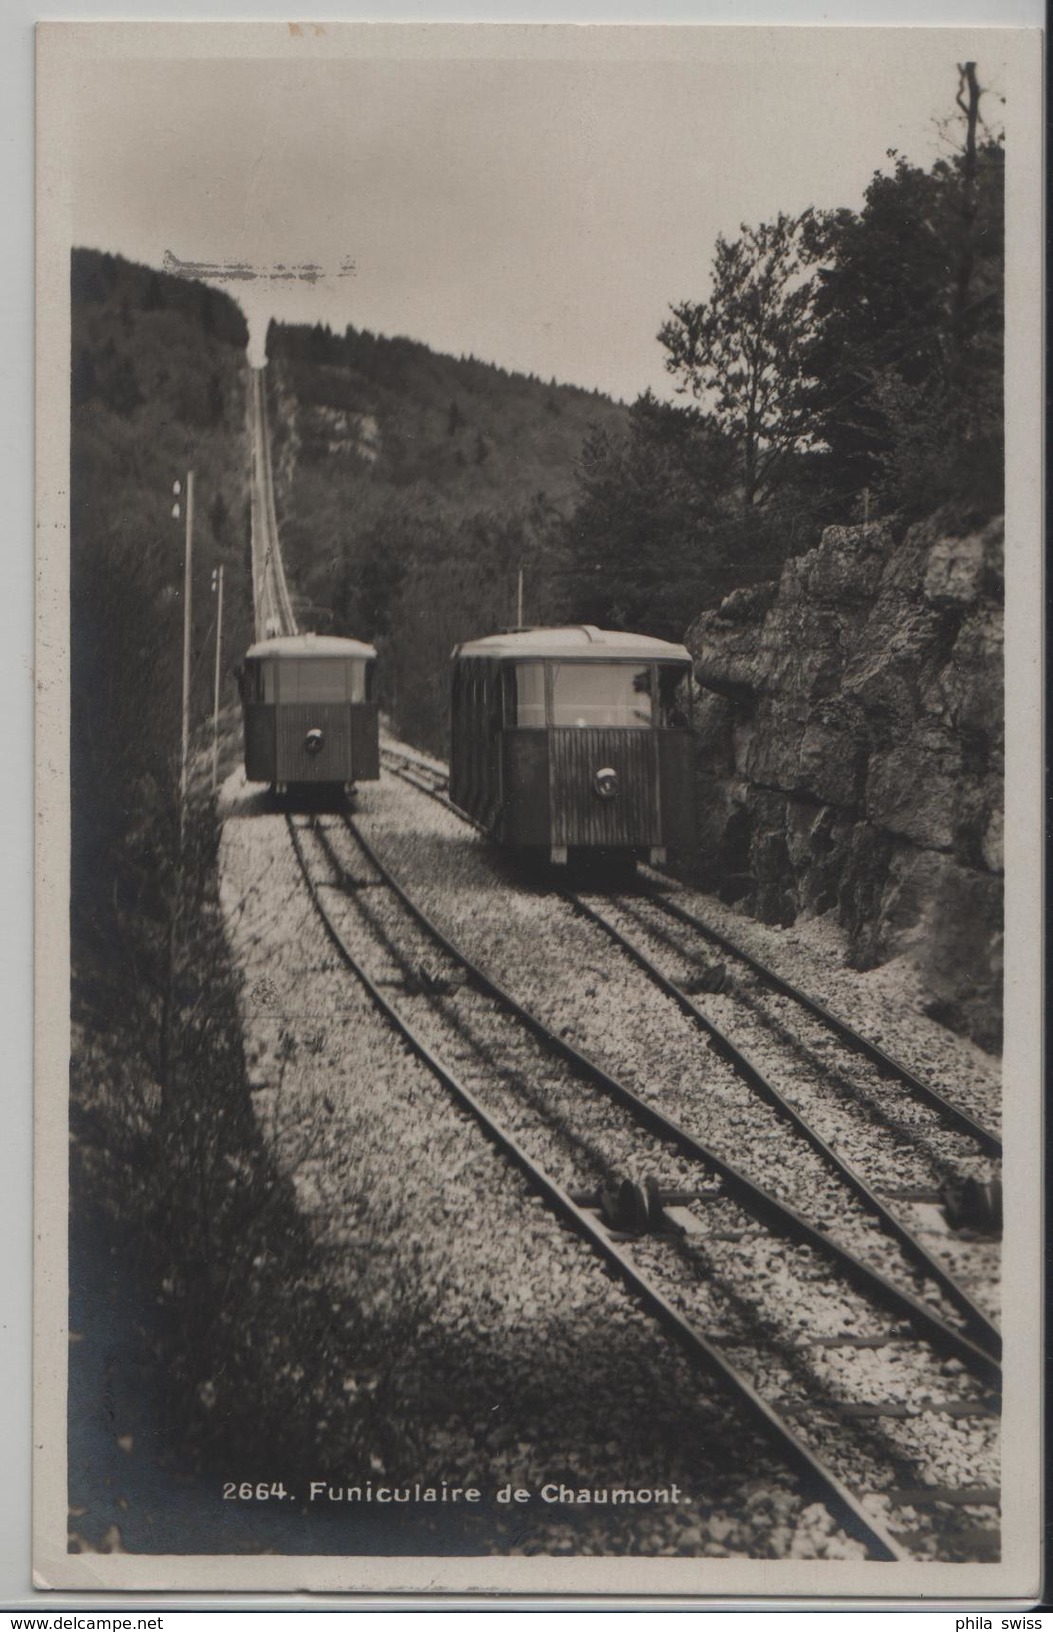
184	756
168	1004
519	601
217	584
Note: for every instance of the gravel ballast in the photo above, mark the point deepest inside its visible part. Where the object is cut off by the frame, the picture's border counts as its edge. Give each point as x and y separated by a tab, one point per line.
565	970
515	1358
392	1175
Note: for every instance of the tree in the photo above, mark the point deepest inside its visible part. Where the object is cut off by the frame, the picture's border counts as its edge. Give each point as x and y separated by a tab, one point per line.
154	299
459	582
907	356
83	379
742	353
657	531
968	101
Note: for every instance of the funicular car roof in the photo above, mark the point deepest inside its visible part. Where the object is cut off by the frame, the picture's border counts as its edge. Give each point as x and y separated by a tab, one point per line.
311	646
580	640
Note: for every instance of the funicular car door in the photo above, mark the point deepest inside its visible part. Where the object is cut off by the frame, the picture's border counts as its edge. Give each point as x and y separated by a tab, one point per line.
458	790
257	721
490	727
603	755
471	713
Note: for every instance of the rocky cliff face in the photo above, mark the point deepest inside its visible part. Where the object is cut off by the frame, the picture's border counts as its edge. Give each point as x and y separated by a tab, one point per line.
851	753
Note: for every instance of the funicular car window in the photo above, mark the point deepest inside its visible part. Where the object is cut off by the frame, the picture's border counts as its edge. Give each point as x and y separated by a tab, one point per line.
601	694
673	696
525	697
316	680
358	687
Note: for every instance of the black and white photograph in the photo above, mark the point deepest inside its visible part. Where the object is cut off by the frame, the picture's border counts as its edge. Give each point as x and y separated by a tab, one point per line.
539	572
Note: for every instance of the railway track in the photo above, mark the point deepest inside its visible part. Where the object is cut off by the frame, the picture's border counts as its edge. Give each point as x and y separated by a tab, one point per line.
874	1173
822	1102
955	1116
599	1154
273	610
434	782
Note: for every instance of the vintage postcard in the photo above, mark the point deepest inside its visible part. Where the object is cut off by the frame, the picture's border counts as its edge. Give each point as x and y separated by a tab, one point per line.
539	805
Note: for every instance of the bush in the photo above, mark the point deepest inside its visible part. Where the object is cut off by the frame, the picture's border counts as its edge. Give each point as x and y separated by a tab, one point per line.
252	1327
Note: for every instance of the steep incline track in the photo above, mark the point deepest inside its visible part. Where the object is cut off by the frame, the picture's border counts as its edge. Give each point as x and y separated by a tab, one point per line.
537	1097
434	782
270	593
844	1126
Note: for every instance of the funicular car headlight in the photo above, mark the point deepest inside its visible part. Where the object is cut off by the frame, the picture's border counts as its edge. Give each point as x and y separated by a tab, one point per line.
314	741
605	782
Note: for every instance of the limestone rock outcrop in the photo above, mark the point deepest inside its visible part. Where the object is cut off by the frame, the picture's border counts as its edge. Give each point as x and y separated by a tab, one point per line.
851	753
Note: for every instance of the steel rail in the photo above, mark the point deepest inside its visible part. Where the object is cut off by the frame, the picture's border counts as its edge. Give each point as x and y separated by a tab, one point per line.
989	1142
271	600
841	1502
983	1329
258	578
265	605
438	791
753	1197
277	564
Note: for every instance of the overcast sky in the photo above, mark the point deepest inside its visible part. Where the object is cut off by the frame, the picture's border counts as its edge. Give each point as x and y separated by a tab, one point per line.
538	212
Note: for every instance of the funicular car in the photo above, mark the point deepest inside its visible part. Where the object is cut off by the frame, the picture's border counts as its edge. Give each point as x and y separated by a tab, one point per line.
575	740
310	712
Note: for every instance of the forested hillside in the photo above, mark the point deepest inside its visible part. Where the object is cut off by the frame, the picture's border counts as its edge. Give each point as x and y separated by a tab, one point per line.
185	1243
412	488
157	389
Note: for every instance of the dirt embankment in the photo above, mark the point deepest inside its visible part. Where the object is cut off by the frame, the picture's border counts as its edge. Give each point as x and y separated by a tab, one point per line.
852	741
